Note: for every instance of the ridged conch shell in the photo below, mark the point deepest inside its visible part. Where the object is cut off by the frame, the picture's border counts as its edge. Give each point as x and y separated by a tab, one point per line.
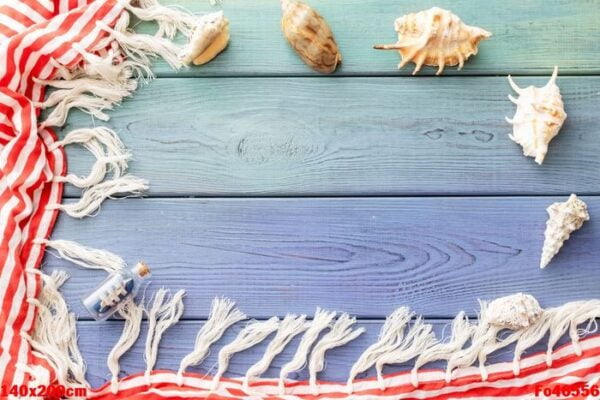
210	37
565	218
540	115
435	37
310	36
517	311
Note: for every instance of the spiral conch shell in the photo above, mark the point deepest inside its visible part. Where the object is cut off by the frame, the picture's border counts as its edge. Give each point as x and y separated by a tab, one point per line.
565	218
310	36
435	37
210	37
540	115
517	311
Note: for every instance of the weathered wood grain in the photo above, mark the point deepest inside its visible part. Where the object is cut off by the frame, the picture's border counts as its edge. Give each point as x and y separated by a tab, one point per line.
364	256
96	339
348	136
529	37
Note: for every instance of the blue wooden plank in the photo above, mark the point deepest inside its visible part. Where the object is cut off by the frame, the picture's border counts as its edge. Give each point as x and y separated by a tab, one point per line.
347	136
365	256
529	36
96	340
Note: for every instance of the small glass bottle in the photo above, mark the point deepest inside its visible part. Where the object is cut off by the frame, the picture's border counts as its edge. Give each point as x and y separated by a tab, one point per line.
118	287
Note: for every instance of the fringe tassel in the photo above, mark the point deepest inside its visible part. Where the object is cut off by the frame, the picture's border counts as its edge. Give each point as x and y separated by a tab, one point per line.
103	95
223	314
483	337
389	338
341	333
461	333
55	335
320	322
570	317
250	336
290	327
164	313
139	47
105	145
92	198
132	314
113	68
418	338
170	20
85	257
530	337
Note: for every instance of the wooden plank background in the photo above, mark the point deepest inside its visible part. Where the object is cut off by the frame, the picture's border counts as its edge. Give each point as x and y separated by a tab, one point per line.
320	136
360	192
366	256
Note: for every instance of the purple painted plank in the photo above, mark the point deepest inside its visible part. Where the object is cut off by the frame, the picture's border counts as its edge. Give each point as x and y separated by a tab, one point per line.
365	256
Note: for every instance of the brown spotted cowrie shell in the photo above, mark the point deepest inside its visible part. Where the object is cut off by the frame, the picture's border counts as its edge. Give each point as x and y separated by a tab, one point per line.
310	36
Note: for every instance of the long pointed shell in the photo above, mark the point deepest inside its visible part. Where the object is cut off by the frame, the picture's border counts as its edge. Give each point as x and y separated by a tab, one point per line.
539	117
518	311
565	218
435	37
310	36
210	37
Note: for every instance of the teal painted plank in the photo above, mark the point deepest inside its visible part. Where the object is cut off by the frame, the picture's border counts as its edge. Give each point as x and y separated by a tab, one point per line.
96	340
347	136
529	37
365	256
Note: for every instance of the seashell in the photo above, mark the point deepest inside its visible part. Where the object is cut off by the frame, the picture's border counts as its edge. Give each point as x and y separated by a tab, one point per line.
565	218
515	312
540	115
209	38
435	37
310	36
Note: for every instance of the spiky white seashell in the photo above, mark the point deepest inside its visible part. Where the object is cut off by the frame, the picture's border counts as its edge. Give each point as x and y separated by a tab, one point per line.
209	38
565	218
435	37
540	115
517	311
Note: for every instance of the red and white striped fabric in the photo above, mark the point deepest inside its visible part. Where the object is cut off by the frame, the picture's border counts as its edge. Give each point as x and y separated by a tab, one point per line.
35	37
567	369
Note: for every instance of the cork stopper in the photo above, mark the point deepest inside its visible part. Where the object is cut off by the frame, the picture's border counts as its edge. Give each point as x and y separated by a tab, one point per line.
142	270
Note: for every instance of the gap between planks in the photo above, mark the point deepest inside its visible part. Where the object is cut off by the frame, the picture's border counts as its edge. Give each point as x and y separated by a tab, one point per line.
175	75
350	196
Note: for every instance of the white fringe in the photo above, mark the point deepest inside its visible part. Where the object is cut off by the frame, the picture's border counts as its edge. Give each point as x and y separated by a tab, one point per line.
290	327
55	334
93	197
462	331
164	313
170	20
103	95
320	322
223	314
568	317
132	314
341	333
530	337
389	338
139	47
113	68
484	336
250	336
85	257
418	338
105	145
